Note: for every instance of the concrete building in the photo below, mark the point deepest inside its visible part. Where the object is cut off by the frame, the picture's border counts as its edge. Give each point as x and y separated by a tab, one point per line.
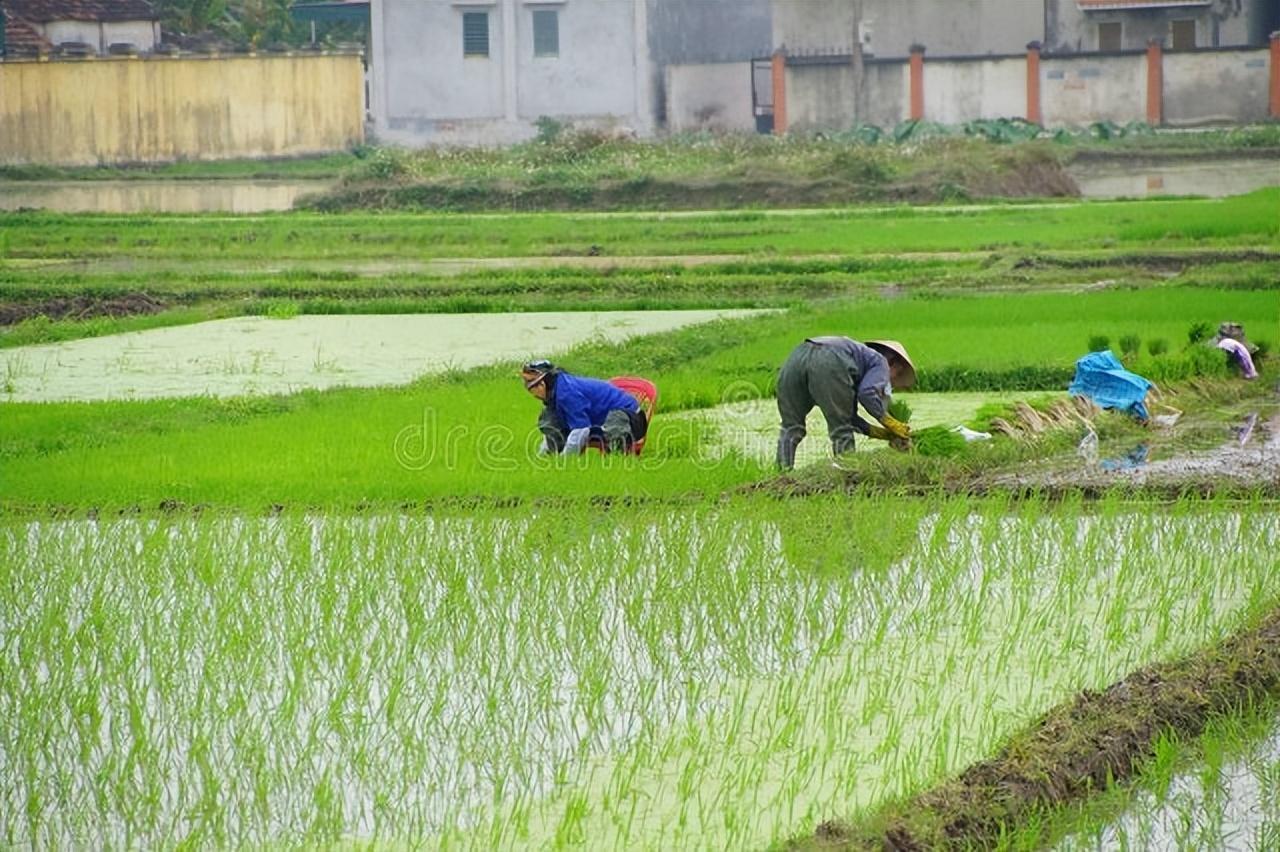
44	26
889	27
1084	26
484	71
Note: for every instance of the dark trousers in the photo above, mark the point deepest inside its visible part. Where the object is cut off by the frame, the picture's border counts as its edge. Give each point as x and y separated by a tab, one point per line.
816	375
621	429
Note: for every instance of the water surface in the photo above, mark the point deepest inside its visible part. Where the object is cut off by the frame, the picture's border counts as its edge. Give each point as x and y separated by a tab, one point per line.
157	196
250	355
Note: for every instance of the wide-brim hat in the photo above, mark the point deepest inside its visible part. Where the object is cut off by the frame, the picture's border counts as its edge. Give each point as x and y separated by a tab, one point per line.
893	347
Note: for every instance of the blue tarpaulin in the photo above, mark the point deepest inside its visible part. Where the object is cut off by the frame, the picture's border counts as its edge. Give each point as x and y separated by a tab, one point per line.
1102	378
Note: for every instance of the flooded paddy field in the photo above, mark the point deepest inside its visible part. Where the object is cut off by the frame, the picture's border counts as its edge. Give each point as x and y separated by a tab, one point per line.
157	196
716	678
261	355
240	612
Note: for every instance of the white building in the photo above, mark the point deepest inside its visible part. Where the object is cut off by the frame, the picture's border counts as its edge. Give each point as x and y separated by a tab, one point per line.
484	71
45	25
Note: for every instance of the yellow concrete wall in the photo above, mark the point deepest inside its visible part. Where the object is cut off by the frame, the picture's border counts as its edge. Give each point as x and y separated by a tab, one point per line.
132	110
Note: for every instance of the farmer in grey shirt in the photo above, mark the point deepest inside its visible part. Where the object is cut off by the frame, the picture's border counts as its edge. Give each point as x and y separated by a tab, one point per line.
836	373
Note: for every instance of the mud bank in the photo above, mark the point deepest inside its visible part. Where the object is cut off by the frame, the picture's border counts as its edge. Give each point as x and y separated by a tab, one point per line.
1074	750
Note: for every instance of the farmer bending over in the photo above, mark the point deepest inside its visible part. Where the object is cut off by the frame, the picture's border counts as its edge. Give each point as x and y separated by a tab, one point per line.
576	409
836	373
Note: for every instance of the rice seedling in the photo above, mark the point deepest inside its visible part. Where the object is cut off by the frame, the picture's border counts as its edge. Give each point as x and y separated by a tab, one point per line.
616	678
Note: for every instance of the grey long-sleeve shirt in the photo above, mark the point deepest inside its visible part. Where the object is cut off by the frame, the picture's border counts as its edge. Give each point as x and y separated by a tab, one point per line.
873	372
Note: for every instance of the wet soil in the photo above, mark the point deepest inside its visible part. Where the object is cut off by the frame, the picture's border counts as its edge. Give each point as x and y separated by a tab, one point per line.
1075	750
81	307
1247	462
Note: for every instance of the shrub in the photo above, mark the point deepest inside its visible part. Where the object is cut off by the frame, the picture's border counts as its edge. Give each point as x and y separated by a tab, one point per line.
1156	347
549	129
1099	342
1130	344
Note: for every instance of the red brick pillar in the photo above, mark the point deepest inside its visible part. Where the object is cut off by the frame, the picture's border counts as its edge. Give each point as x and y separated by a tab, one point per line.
1033	83
917	81
779	74
1275	74
1155	82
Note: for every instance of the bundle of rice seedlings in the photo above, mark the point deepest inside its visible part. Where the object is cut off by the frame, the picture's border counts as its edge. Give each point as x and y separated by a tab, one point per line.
937	441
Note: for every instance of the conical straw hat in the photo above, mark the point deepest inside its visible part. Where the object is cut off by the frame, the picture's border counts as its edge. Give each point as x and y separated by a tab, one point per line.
893	347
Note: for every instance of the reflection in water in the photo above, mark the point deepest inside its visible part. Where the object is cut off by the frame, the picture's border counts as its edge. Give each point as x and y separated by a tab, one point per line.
157	196
1216	179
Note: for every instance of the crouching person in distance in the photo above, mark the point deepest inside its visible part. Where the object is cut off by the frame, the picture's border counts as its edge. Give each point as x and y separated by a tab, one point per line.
578	411
836	373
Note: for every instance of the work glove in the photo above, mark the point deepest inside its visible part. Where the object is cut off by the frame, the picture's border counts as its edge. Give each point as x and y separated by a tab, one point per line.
896	427
902	445
878	432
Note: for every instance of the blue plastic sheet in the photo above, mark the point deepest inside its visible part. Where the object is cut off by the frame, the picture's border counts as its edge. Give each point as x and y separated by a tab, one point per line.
1102	378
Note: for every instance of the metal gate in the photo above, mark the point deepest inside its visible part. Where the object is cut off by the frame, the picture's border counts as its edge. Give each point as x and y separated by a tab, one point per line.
762	94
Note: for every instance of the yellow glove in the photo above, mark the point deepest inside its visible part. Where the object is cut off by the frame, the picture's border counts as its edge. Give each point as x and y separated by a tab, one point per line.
896	427
878	432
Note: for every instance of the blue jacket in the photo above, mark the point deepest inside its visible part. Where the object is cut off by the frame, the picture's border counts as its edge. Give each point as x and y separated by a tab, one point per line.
584	403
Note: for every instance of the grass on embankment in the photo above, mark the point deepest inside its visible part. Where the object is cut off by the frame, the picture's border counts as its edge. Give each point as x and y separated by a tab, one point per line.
564	170
473	433
1153	225
1077	749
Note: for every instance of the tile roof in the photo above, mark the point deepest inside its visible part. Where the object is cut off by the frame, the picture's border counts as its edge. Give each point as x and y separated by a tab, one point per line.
21	38
42	11
1097	5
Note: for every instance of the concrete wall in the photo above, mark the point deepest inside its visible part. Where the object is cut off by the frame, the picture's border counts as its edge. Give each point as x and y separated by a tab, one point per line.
1204	88
1223	23
696	32
959	91
821	96
425	90
966	27
715	97
687	32
95	111
1084	89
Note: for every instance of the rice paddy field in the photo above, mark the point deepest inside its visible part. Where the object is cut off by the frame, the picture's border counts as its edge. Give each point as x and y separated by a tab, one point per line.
363	611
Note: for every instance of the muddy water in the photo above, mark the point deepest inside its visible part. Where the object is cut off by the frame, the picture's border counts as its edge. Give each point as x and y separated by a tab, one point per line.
252	355
1233	806
157	196
1216	179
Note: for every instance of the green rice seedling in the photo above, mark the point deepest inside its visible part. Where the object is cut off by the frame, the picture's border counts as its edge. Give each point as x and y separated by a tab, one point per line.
1099	342
1157	347
1129	345
482	675
937	441
899	409
1197	332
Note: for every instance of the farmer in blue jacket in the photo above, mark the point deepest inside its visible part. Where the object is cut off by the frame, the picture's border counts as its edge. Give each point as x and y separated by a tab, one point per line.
576	409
